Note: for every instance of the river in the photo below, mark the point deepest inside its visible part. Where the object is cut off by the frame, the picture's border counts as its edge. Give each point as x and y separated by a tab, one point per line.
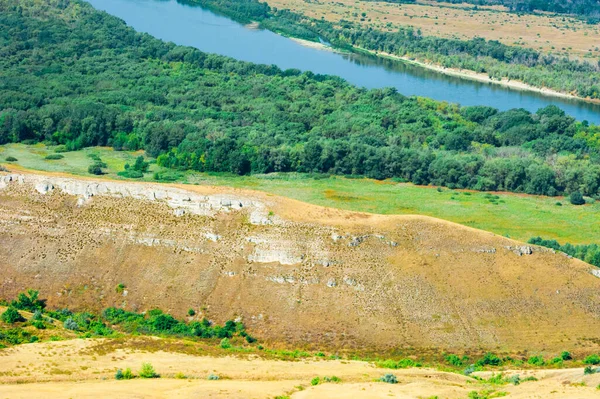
193	26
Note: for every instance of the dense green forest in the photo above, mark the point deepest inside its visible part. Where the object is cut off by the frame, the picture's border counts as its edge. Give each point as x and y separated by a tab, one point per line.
491	57
76	77
590	9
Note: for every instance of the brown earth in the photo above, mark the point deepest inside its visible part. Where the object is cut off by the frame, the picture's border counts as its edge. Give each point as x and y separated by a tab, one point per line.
297	276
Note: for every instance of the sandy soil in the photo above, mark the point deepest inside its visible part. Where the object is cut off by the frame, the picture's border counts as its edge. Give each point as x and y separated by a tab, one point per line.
85	369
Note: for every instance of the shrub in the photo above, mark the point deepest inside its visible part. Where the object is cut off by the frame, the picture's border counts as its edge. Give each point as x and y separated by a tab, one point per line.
576	198
147	371
120	288
566	355
191	312
11	316
11	159
225	344
389	378
131	174
469	370
515	379
399	364
454	360
54	157
213	377
489	359
95	169
536	360
71	324
588	370
38	324
124	375
332	379
315	381
592	359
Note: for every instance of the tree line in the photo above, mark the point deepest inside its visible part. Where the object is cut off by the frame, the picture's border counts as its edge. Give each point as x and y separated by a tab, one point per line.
491	57
76	77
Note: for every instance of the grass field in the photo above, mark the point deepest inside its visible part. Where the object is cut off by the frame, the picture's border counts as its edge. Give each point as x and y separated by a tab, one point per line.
516	216
560	35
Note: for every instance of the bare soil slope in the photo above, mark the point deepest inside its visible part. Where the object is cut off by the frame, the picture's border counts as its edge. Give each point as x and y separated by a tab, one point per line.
294	273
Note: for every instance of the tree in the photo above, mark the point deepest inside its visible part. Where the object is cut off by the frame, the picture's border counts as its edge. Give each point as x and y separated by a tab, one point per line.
11	316
576	198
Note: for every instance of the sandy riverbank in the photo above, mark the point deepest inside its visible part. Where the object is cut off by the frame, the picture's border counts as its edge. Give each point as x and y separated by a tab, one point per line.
461	73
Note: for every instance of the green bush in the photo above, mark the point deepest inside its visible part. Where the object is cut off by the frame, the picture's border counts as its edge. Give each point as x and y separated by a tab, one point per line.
536	361
566	355
576	198
454	360
131	174
54	157
592	359
489	359
38	324
213	377
147	371
225	344
11	159
71	324
315	381
191	312
389	378
11	316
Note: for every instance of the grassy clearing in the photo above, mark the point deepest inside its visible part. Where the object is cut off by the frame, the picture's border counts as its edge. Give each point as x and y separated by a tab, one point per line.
517	216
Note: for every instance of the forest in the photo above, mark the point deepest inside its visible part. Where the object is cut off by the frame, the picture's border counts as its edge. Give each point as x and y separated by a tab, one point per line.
497	60
75	77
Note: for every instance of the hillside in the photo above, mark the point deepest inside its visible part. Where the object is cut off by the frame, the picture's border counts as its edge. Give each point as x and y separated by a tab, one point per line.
295	274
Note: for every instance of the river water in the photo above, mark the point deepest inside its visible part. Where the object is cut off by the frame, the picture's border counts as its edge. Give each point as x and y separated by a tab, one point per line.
193	26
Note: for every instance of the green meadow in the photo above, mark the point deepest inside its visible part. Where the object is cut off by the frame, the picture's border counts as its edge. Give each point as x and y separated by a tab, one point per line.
513	215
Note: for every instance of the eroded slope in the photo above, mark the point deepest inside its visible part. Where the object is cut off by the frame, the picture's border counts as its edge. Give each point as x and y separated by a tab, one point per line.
292	272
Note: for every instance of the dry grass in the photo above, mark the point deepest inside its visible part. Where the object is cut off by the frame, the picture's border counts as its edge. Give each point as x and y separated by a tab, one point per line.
71	369
559	35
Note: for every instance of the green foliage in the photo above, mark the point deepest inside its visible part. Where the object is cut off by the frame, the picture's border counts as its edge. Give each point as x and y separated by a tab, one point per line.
332	127
213	377
11	159
589	253
131	174
71	324
454	360
40	325
16	336
398	364
489	359
389	378
536	361
590	370
11	316
566	355
576	198
29	301
315	381
592	359
53	157
120	288
191	312
148	371
225	344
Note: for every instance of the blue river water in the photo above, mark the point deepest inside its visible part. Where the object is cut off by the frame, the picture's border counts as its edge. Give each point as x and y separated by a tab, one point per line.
193	26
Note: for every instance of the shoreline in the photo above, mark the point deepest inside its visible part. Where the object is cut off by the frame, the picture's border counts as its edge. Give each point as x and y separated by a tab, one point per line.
480	77
459	73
